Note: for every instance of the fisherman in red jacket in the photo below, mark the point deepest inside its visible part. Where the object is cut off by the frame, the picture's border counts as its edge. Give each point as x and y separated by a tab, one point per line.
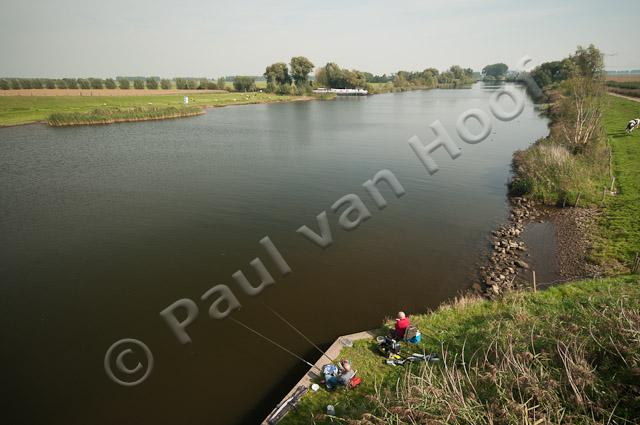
402	323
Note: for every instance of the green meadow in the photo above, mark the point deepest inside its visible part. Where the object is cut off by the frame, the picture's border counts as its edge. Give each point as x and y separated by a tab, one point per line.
16	110
619	236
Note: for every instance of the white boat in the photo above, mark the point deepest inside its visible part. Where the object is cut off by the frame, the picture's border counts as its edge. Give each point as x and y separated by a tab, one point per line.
342	92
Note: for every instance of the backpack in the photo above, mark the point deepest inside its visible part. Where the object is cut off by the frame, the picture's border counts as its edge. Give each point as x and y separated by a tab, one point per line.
412	334
354	382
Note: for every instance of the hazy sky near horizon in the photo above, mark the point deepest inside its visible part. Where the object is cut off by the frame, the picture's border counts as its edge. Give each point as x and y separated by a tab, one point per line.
75	38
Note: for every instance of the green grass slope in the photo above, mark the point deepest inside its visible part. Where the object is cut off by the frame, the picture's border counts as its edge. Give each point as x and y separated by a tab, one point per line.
570	354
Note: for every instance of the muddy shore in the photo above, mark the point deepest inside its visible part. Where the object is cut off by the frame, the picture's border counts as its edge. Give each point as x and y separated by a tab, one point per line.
510	262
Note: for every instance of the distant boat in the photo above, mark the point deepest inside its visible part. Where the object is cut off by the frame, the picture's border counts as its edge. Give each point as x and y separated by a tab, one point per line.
342	92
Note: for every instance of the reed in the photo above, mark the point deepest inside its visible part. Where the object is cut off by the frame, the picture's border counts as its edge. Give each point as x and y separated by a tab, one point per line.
113	115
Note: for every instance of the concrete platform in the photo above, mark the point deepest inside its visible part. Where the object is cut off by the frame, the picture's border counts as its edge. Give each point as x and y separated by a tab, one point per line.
333	352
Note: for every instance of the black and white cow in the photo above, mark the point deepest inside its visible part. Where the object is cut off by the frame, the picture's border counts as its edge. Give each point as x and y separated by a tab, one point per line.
632	125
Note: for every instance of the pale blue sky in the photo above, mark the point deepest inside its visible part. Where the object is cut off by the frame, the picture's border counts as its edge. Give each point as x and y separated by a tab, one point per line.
58	38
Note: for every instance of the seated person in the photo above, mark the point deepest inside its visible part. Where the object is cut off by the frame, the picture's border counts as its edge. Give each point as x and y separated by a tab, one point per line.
402	323
343	377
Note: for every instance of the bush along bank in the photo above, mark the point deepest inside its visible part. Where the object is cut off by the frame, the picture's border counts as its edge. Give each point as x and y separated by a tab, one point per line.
113	115
584	177
568	168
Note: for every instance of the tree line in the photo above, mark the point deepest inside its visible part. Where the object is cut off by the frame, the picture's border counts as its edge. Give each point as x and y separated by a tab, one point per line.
293	78
282	81
123	83
586	62
282	78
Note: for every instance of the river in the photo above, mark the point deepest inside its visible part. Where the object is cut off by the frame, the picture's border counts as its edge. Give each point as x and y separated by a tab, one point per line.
104	226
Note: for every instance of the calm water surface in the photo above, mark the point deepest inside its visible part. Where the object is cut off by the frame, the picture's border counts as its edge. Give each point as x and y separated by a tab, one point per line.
103	227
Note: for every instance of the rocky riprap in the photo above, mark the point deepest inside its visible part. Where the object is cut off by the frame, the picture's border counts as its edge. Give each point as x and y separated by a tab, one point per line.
501	272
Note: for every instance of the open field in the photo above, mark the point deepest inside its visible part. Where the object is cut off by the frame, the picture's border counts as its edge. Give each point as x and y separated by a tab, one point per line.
102	92
619	238
623	78
527	358
16	110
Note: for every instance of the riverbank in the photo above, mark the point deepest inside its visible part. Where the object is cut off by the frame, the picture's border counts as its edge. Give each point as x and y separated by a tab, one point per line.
80	107
593	236
19	110
564	354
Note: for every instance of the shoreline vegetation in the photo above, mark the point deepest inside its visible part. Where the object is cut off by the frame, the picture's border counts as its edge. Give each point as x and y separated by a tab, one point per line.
20	110
568	354
104	101
110	116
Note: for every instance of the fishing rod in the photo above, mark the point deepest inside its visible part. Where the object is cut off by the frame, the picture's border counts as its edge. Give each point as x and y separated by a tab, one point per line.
298	331
275	343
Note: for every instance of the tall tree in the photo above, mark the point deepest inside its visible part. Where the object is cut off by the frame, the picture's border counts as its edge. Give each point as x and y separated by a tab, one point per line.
25	83
589	62
96	83
71	83
124	83
300	69
496	70
458	72
277	74
151	83
241	83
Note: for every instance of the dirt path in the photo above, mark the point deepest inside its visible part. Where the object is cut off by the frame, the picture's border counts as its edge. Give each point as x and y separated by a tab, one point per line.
635	99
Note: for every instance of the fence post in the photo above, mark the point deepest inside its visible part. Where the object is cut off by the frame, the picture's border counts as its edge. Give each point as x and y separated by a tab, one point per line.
535	288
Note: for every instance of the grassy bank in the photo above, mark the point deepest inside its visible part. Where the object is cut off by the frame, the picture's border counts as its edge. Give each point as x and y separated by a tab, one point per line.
550	172
113	115
16	110
569	354
571	164
619	235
